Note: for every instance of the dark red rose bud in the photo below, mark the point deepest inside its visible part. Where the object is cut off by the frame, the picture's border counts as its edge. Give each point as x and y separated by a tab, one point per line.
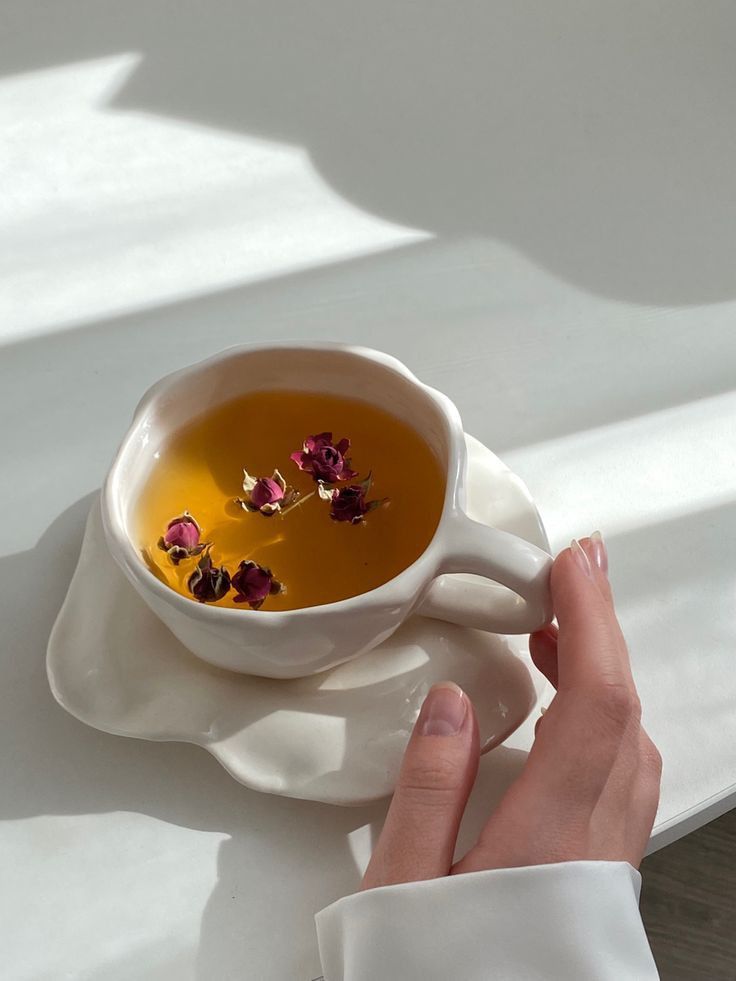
207	583
253	583
349	503
323	460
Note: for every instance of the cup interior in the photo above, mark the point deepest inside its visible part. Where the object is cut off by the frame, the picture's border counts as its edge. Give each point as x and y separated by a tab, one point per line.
354	373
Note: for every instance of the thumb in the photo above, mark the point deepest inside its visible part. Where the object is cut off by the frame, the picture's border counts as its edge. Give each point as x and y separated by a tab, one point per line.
437	775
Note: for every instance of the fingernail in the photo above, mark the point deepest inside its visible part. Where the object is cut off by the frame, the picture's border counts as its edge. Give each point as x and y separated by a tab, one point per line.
600	552
580	557
444	711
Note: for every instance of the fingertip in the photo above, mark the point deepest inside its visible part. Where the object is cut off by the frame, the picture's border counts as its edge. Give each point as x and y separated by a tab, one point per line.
572	563
537	724
543	651
548	632
591	646
574	575
444	712
563	567
543	641
597	553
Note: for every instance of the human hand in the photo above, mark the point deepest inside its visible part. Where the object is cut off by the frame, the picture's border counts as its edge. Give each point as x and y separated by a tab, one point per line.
590	785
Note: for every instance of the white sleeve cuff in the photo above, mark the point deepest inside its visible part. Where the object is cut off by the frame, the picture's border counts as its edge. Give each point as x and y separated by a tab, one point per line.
569	921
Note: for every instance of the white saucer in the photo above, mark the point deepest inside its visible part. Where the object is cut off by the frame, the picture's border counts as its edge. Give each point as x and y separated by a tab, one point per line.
336	737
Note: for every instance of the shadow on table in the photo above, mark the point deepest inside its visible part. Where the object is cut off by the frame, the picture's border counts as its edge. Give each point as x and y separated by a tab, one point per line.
518	375
598	140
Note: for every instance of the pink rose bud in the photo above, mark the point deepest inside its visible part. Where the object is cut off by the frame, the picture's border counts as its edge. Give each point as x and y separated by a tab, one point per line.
207	583
266	494
323	460
266	491
181	540
183	532
253	583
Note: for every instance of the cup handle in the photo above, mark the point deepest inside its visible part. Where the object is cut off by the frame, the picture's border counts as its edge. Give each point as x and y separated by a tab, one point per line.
517	599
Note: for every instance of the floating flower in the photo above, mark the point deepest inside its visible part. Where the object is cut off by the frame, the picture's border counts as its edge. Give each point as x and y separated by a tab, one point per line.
207	583
349	503
323	460
253	583
181	538
268	495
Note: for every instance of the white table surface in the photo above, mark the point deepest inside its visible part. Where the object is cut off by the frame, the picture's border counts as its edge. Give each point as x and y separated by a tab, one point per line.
533	206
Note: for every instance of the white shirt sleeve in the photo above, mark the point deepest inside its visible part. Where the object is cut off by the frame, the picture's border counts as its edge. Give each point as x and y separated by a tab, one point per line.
573	921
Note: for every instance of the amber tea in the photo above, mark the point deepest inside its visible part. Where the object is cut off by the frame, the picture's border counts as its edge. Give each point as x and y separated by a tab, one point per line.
280	500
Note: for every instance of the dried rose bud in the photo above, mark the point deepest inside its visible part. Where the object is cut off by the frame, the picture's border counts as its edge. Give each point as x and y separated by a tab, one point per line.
323	460
253	583
266	491
349	503
181	538
207	583
266	494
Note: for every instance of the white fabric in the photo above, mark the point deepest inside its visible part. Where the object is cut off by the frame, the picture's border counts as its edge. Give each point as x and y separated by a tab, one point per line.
573	920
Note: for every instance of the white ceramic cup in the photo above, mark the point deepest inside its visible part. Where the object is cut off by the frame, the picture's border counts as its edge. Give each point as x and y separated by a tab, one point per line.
514	598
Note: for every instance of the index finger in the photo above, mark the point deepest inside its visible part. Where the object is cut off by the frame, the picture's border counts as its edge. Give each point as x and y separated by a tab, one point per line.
591	651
